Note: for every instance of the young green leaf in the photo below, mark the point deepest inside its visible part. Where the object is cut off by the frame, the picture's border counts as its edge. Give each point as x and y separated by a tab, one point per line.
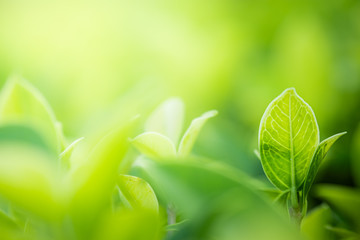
271	193
320	154
138	193
356	156
154	145
167	119
6	220
93	181
176	226
288	137
343	200
29	180
313	225
22	134
129	224
217	204
282	198
9	229
66	154
190	184
21	103
188	140
343	233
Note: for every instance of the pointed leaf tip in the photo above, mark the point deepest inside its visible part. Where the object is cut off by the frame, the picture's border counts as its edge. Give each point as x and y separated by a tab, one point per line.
209	114
290	90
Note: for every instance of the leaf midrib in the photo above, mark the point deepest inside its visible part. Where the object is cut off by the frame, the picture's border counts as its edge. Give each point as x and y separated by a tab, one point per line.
292	160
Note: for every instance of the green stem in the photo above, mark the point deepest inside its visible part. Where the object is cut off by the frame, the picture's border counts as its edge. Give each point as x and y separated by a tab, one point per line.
294	198
295	211
171	212
296	215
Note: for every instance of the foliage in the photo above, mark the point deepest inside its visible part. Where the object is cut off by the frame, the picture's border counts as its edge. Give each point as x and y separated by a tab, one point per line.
52	188
91	147
49	195
289	148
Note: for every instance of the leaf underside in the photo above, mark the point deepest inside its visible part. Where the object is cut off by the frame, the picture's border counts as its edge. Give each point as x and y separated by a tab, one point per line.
288	137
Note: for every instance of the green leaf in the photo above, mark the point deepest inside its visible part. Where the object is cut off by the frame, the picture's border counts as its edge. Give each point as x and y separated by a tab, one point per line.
21	103
188	140
190	184
343	200
218	202
167	119
129	224
288	137
356	156
93	181
176	226
237	215
154	145
344	233
282	198
6	220
22	134
9	229
138	193
313	225
272	193
30	181
320	154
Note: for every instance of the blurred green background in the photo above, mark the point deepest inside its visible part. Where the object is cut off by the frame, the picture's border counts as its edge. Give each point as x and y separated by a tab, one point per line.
92	57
